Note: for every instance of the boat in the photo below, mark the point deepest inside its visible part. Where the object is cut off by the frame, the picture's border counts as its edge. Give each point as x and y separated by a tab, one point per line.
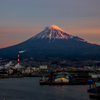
42	80
95	89
94	96
55	80
63	80
60	80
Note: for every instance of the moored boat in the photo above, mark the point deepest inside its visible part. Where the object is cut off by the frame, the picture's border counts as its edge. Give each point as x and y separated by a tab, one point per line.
94	96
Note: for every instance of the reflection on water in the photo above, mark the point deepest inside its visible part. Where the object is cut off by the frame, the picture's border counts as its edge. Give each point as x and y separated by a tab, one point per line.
29	89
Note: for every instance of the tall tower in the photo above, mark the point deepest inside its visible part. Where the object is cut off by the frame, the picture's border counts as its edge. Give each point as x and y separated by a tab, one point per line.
18	58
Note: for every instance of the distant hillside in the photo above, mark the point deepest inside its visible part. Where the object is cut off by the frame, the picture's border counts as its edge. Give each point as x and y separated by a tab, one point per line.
53	42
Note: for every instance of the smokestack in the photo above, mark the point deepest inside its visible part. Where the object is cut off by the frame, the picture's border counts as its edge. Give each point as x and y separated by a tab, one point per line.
18	58
19	53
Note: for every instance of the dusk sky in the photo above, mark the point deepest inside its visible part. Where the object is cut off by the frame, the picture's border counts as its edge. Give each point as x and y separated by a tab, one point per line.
22	19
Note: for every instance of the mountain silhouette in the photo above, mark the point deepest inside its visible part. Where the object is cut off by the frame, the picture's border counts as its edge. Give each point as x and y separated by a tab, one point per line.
53	42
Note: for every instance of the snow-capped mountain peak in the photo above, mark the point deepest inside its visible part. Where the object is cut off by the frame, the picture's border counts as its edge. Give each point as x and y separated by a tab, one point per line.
53	42
55	27
54	32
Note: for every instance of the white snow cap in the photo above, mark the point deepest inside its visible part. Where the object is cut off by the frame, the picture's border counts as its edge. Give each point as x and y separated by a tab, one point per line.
55	27
53	32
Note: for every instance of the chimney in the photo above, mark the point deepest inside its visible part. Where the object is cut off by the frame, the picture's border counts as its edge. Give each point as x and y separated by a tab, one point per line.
18	58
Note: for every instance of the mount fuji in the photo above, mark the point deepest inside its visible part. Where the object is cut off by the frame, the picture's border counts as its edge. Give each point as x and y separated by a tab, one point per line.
53	42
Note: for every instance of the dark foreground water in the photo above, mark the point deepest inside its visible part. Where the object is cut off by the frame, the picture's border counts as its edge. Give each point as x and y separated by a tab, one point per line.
29	89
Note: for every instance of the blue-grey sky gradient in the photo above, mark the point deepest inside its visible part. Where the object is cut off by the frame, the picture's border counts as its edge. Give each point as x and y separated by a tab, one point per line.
22	19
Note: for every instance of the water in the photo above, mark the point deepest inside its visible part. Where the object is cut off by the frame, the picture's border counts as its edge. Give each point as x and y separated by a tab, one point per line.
29	89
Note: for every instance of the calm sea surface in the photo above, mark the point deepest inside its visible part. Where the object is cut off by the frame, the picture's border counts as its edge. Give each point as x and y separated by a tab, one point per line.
29	89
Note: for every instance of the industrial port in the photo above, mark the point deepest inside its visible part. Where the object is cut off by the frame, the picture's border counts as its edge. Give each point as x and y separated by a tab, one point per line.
42	67
54	71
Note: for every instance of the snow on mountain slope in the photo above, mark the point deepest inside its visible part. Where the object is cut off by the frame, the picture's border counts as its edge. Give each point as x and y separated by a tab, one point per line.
53	42
55	27
54	32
